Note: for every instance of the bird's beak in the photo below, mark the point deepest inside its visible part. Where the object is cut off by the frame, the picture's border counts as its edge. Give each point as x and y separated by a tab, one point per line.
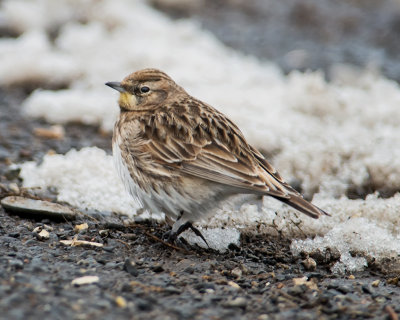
116	85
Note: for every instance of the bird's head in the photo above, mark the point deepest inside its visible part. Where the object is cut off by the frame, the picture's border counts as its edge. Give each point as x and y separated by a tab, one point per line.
144	90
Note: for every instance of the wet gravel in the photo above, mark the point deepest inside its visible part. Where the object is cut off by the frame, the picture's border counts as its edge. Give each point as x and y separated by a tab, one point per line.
134	275
303	34
141	277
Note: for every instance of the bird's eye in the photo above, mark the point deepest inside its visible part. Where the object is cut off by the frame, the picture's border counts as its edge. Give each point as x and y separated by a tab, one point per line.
144	89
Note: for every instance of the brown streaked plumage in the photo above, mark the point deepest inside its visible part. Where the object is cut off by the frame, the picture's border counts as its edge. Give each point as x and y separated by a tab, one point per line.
178	155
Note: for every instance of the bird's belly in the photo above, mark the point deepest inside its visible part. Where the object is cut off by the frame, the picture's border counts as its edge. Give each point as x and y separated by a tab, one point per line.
192	197
130	185
147	198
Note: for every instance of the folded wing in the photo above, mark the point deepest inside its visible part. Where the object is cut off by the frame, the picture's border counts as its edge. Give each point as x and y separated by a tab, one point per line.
213	148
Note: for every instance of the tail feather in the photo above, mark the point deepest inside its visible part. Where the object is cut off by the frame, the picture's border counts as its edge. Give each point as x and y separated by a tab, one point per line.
304	206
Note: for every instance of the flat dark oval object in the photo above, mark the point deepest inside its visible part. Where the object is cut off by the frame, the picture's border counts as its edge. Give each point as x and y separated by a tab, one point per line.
37	209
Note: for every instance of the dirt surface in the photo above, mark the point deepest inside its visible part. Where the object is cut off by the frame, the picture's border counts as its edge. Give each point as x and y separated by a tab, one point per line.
303	34
140	277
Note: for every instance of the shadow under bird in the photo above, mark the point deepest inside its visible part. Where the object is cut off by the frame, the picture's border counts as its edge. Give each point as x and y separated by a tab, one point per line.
178	155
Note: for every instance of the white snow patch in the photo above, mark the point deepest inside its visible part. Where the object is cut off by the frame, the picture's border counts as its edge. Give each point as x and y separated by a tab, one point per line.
76	105
330	136
369	229
217	238
85	179
32	59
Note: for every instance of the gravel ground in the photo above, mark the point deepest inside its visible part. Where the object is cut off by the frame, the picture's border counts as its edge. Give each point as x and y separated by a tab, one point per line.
134	274
303	34
141	278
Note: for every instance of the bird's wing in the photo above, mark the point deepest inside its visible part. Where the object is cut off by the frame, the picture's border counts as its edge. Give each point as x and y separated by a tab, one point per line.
211	147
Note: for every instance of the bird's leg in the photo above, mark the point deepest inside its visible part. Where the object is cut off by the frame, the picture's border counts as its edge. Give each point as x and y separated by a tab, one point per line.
183	227
198	233
171	235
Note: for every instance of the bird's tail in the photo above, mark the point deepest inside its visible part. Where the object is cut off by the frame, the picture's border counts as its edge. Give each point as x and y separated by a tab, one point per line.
299	203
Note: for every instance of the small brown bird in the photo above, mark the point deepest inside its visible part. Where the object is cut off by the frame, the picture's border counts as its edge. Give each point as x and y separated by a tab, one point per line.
178	155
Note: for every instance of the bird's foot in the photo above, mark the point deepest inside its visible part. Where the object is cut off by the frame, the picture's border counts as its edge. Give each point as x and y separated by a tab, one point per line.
172	237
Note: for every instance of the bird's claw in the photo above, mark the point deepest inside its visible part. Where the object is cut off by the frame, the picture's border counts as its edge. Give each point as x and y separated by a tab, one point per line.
172	237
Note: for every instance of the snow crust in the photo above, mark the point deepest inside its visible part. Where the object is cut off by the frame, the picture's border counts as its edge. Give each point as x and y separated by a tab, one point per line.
85	179
328	137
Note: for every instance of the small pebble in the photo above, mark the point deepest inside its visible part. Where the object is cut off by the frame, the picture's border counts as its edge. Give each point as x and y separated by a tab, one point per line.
14	234
296	290
121	302
109	248
157	268
43	235
299	281
56	132
233	285
130	267
16	263
104	233
375	283
80	227
48	228
309	264
37	229
144	305
367	289
189	270
237	273
14	187
85	280
244	269
173	290
394	281
238	302
280	277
